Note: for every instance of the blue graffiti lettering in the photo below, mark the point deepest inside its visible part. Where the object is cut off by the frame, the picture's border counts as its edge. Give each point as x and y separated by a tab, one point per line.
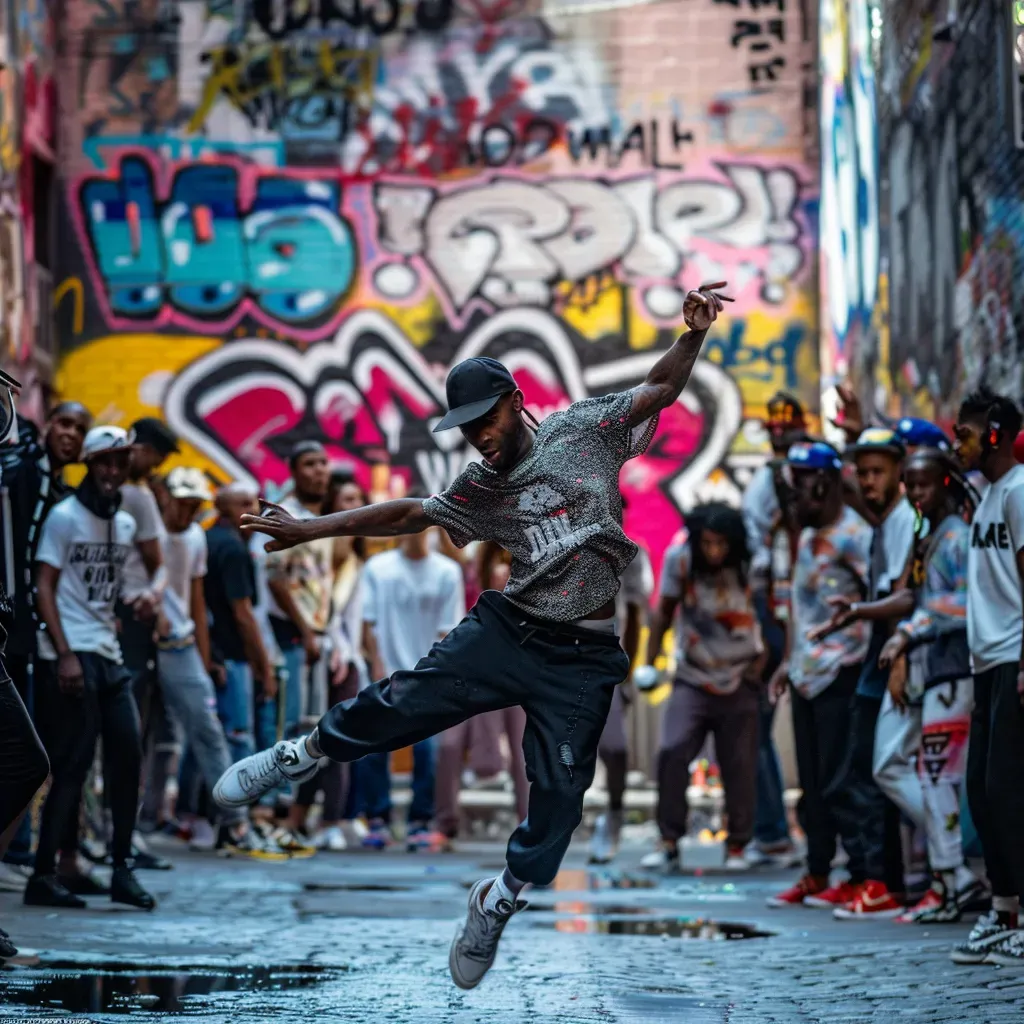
292	252
759	363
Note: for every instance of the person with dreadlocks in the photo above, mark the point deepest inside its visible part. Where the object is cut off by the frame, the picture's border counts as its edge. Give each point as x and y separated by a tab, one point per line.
551	498
719	658
926	716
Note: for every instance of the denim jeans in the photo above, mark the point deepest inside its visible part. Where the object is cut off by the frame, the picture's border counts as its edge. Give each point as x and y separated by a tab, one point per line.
236	709
770	825
295	672
190	698
375	784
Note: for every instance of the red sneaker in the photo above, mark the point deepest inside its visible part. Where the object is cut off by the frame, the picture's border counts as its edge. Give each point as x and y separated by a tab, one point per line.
873	900
834	896
931	901
799	893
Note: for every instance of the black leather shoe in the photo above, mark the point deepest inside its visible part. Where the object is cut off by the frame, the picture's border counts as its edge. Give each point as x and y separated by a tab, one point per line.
125	889
47	891
83	885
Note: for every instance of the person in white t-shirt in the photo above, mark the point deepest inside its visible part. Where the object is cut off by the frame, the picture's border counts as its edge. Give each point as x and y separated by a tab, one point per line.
412	597
985	431
184	664
84	688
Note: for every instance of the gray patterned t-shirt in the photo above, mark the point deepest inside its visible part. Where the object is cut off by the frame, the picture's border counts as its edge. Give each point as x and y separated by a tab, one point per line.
558	512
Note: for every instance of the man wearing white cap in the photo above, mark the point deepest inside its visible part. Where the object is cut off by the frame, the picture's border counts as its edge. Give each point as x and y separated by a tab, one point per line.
84	688
183	657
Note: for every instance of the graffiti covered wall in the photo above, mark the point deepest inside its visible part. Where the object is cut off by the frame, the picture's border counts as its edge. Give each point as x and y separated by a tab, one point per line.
953	222
288	219
27	110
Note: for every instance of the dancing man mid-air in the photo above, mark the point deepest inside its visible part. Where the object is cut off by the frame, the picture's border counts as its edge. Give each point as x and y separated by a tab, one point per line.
548	494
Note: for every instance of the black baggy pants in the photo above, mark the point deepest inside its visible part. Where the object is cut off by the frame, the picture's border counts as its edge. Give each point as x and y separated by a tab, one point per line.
561	675
23	762
70	725
995	777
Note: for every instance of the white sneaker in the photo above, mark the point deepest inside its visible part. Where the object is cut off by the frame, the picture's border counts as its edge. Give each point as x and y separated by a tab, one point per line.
737	862
1009	952
476	939
247	780
204	839
11	879
331	839
660	860
604	843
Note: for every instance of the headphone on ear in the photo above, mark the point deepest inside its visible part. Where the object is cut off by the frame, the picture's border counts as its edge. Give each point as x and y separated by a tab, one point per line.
991	440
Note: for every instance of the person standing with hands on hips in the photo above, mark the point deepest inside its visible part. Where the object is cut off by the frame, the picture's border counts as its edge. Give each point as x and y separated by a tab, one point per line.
549	495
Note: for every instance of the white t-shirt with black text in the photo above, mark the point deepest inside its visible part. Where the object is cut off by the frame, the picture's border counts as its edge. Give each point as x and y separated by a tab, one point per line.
185	559
90	553
994	623
411	602
140	503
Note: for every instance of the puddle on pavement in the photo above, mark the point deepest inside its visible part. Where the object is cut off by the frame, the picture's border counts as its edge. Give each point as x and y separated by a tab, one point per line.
353	887
606	923
603	909
122	988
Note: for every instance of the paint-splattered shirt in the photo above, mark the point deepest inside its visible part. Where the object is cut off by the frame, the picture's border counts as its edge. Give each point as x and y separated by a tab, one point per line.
942	597
829	562
558	512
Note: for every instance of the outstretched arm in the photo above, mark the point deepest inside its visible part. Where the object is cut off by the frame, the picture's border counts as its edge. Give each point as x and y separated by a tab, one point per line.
668	376
385	519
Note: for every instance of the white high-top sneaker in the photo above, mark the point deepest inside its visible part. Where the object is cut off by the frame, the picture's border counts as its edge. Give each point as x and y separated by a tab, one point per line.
476	939
247	780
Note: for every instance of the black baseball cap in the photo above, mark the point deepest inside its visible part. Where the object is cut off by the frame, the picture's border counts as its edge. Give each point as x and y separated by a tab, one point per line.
150	430
472	389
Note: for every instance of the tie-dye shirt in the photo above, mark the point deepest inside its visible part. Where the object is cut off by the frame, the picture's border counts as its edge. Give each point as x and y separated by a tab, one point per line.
942	597
829	562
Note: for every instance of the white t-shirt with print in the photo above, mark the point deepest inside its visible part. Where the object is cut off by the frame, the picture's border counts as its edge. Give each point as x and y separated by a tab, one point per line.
994	622
90	553
140	503
411	602
185	559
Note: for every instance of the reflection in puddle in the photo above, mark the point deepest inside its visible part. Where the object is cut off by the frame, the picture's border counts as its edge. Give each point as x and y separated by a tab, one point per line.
122	988
669	927
606	909
601	878
353	887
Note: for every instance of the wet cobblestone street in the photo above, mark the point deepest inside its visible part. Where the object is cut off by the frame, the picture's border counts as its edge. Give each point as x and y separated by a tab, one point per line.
361	937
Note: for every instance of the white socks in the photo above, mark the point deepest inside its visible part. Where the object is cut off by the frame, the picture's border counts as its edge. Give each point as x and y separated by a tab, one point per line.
501	897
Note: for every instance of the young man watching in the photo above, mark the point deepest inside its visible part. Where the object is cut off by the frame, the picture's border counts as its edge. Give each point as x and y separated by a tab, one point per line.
878	457
831	561
33	482
183	651
984	435
85	690
235	638
546	643
300	582
412	598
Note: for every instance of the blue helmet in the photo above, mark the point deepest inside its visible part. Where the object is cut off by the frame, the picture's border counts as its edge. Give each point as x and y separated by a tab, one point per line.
918	433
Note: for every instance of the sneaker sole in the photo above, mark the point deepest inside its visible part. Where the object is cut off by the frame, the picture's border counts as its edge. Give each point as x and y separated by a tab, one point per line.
842	914
777	904
959	956
820	904
1002	960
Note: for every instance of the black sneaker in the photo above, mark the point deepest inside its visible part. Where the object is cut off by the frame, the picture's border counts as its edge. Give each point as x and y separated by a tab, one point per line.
125	889
47	891
143	860
7	948
83	885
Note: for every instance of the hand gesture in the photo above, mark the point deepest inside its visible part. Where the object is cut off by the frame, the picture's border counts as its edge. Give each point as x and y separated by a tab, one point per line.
893	649
285	529
898	682
850	419
218	676
70	678
778	683
842	615
701	307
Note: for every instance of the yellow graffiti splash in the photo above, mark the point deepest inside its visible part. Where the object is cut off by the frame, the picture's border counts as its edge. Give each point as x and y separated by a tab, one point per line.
73	286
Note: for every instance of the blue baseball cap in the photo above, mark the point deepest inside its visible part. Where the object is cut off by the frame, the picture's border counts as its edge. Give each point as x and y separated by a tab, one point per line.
813	455
917	433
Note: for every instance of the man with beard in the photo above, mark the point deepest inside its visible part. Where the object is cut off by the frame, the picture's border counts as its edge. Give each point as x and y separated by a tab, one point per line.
33	482
878	456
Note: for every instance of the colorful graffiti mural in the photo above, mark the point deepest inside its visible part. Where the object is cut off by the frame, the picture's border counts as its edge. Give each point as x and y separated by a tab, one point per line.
305	240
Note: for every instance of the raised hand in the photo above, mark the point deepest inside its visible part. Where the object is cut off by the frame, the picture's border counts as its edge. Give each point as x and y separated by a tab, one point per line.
285	530
701	307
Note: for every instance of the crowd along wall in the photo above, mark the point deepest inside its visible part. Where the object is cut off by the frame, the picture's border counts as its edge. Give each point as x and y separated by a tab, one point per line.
941	309
287	219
